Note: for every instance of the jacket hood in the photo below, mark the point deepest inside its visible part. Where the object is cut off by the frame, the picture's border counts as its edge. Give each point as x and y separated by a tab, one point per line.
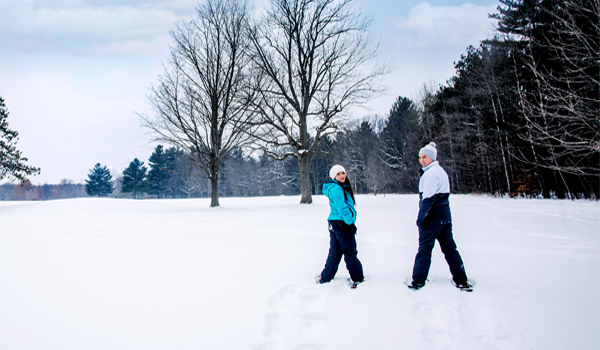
328	186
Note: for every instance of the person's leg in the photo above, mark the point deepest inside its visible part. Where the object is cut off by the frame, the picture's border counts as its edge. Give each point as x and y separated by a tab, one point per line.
451	253
427	236
347	238
333	258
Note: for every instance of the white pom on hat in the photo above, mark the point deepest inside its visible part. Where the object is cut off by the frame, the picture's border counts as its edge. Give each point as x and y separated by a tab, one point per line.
429	151
336	169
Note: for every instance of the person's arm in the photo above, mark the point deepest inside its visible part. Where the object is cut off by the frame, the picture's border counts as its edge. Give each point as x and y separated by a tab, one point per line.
429	186
337	200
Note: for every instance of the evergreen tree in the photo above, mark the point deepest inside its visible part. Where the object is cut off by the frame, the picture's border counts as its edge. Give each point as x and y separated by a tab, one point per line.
134	178
11	163
161	164
100	182
402	137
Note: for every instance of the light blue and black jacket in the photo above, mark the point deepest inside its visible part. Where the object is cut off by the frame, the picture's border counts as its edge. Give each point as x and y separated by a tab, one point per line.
340	202
434	193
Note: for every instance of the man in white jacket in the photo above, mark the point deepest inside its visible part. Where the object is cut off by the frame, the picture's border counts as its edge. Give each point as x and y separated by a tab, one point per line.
435	222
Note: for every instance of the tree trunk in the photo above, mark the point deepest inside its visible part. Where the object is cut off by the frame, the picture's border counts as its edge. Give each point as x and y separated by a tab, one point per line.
214	183
500	136
305	187
214	190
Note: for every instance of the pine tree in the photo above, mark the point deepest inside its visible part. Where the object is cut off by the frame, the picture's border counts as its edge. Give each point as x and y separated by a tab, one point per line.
134	178
161	166
402	137
11	163
100	182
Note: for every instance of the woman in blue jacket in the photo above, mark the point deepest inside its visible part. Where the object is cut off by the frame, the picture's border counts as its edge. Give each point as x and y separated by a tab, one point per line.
342	230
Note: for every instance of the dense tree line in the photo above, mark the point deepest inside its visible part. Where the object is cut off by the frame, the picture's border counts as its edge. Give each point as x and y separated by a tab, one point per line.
27	191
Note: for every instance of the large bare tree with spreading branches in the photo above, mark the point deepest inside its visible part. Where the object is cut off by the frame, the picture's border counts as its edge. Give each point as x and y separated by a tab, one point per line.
202	98
561	114
313	56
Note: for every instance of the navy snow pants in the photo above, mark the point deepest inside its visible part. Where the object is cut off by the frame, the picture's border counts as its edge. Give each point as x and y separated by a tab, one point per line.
437	228
342	242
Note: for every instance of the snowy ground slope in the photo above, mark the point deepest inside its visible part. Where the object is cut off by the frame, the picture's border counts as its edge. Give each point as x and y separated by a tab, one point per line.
175	274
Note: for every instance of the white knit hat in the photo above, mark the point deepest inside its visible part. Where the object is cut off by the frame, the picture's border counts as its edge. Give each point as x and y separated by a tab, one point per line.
336	169
429	151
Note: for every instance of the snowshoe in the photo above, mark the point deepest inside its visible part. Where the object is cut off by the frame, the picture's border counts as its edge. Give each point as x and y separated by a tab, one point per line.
415	285
354	284
319	280
465	287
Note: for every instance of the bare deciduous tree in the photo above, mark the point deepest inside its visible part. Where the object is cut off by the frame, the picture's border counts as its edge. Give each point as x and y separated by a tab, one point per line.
376	176
189	179
313	56
562	118
202	99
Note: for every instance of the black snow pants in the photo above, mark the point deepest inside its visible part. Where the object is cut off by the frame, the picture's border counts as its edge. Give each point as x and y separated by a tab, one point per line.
342	242
437	228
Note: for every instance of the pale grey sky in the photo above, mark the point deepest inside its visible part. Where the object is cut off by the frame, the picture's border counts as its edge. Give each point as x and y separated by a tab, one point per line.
74	72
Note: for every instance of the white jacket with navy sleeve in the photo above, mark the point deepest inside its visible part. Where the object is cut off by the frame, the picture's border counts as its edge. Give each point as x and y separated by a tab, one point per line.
434	191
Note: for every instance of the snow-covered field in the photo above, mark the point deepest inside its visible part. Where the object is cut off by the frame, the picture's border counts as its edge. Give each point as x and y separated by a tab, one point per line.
176	274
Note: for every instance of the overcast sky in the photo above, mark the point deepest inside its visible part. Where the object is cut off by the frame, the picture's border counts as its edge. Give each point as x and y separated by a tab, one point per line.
73	73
